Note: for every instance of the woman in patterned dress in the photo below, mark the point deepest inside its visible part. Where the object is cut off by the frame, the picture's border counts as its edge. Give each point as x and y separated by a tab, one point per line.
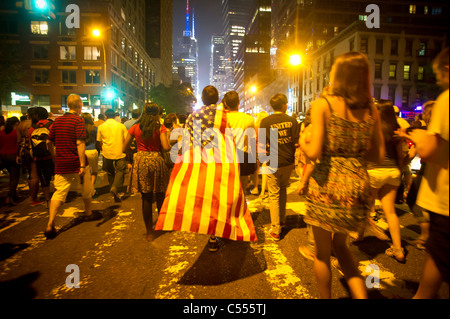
150	174
346	133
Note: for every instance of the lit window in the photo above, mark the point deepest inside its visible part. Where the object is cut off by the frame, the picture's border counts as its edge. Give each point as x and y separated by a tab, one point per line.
67	52
392	71
39	27
406	72
420	73
436	11
412	9
91	53
423	48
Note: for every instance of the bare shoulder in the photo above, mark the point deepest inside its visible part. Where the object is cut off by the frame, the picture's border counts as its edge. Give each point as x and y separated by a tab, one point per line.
320	105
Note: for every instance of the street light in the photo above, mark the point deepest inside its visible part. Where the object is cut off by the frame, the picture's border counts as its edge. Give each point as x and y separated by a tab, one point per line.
98	34
295	60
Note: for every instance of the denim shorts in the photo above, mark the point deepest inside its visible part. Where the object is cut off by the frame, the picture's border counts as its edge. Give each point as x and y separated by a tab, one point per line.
384	176
437	244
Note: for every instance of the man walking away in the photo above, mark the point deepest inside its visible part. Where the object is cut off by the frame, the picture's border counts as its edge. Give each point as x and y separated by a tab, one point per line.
278	180
68	135
240	123
111	136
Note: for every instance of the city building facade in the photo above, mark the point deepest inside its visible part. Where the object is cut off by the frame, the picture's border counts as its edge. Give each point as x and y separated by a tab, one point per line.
236	15
401	64
185	59
253	68
96	49
217	76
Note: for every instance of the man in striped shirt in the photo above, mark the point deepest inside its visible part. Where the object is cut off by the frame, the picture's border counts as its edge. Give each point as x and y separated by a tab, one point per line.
68	136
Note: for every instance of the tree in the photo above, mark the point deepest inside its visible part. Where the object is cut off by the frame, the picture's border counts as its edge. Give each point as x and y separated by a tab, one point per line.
11	71
176	99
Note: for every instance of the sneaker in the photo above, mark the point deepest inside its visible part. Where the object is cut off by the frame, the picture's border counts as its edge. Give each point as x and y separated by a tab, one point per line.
35	203
274	236
116	197
213	244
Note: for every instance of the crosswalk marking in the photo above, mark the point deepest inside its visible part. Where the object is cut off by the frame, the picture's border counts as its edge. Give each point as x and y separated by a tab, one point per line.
283	280
176	264
121	223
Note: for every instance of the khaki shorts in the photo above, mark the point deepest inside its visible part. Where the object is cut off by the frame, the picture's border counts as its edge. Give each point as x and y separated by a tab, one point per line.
92	156
63	183
384	176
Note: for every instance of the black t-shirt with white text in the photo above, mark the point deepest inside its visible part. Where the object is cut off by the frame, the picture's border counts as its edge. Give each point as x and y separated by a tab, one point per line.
288	134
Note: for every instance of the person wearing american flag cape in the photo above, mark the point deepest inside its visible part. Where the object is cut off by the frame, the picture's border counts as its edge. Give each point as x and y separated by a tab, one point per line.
204	193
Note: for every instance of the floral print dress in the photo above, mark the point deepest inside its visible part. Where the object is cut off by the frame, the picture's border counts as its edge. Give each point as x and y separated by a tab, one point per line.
338	196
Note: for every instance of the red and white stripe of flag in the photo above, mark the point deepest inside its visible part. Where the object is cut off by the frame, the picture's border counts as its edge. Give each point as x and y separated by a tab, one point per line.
206	197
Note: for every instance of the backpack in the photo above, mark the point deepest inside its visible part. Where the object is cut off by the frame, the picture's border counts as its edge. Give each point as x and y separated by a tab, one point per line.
39	138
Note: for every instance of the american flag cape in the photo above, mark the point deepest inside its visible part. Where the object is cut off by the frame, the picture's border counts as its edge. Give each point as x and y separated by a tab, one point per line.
206	197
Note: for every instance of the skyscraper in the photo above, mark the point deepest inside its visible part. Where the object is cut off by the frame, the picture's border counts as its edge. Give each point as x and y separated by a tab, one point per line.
236	16
185	59
158	37
217	76
253	58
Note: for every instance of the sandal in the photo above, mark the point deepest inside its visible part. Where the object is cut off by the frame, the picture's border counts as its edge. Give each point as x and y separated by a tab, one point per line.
335	264
420	243
397	254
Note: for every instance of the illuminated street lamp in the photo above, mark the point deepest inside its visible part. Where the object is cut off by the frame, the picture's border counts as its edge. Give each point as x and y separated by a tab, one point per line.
98	34
253	89
295	60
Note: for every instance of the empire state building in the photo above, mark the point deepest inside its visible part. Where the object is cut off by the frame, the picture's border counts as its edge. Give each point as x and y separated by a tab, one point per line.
185	62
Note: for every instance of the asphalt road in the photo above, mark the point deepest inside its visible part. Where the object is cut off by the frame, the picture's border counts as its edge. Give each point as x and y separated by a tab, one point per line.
112	259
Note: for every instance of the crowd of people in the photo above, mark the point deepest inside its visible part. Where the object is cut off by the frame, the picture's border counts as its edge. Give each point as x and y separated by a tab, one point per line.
349	152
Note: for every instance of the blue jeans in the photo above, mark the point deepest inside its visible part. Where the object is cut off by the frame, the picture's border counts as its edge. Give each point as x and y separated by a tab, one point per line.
277	184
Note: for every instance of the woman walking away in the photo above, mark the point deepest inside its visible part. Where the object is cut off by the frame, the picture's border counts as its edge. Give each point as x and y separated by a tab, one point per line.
346	132
150	174
91	148
385	178
8	154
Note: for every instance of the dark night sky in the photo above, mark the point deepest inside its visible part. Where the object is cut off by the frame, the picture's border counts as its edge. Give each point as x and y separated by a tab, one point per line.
208	21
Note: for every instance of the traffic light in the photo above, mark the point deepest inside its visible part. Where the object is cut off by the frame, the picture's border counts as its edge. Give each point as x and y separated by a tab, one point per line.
44	7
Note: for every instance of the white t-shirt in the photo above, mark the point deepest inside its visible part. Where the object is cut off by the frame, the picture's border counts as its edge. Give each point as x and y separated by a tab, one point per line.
434	191
112	134
238	120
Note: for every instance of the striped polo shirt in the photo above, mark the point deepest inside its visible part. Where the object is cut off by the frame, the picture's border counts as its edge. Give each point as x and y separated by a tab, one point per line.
64	133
